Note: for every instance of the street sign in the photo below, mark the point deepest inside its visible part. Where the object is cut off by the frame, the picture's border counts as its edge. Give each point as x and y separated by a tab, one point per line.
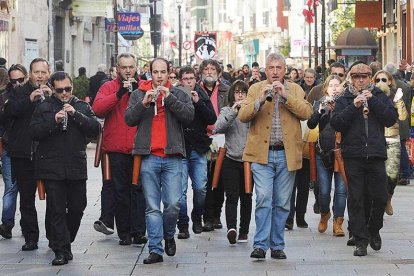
186	45
205	46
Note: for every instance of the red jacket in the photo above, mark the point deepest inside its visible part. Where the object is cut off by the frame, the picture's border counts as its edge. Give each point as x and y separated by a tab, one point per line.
117	135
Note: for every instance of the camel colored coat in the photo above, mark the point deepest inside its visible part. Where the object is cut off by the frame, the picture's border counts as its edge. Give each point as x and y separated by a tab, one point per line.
295	109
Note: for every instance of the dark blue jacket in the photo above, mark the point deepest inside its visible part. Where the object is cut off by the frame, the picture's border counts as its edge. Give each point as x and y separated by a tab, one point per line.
349	120
19	108
195	133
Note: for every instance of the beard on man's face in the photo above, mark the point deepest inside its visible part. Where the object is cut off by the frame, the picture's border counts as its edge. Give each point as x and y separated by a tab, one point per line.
209	80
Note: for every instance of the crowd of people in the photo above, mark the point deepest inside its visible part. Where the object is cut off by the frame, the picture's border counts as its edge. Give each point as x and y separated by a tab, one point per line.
233	136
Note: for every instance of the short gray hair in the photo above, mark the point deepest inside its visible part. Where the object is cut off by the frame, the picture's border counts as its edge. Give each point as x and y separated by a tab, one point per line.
274	56
126	55
102	68
310	71
391	68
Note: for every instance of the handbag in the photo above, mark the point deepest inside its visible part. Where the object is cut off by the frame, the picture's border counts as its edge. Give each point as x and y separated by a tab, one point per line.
328	159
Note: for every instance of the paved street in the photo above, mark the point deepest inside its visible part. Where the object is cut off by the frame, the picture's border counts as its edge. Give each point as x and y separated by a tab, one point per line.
308	252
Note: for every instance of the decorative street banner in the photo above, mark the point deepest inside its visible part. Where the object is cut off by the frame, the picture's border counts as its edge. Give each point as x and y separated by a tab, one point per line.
205	45
129	25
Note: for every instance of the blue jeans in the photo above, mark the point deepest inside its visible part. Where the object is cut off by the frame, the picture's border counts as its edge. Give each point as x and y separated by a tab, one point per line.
196	168
325	187
10	192
273	185
405	167
161	180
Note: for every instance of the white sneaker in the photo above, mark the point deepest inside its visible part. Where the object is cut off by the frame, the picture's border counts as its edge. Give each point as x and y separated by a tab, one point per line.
101	227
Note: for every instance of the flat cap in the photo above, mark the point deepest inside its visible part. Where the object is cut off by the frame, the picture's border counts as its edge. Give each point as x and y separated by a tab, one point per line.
360	69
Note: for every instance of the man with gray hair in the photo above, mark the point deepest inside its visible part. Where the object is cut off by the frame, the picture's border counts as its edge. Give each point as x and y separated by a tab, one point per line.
404	126
274	107
96	81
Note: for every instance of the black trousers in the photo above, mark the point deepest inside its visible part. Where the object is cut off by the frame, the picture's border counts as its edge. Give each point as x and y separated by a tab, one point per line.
138	225
65	203
367	180
232	177
23	173
300	191
214	198
118	195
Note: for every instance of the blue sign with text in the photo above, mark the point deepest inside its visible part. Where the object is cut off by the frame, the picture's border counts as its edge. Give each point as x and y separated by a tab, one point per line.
129	25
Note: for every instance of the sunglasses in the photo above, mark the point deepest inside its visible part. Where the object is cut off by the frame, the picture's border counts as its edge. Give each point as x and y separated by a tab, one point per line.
381	79
173	77
338	74
14	81
64	89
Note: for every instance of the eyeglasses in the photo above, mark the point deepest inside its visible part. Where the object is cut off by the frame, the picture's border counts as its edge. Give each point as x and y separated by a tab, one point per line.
240	92
14	81
381	79
338	74
360	76
173	77
64	89
188	79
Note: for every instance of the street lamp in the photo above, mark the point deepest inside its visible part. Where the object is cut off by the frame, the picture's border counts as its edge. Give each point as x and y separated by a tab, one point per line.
180	33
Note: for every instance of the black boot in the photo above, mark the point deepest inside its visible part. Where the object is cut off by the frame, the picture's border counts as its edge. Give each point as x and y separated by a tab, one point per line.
289	223
60	259
300	221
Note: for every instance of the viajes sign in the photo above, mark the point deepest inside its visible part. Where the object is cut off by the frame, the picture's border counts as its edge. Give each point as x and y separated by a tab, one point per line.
129	25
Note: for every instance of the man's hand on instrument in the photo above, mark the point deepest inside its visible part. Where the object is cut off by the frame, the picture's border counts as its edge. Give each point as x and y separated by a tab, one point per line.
367	94
359	100
280	89
149	95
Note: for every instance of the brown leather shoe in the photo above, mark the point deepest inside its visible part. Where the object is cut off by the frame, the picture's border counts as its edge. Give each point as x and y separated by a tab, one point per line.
323	223
337	227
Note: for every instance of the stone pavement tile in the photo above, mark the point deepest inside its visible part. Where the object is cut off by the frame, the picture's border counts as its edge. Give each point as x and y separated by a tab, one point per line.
251	267
29	269
324	268
10	258
106	259
182	258
169	269
404	269
113	269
